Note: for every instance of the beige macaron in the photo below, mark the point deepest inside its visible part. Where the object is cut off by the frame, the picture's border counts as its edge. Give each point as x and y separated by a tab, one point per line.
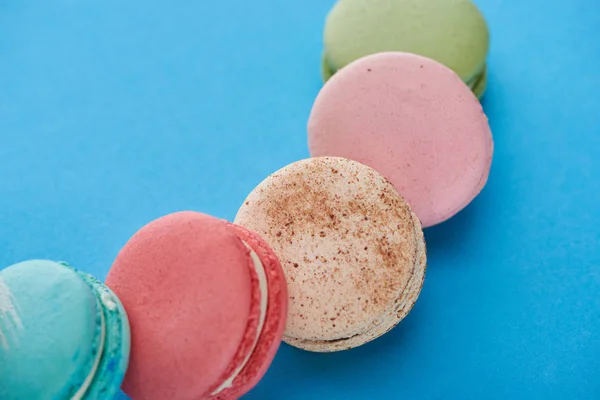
352	250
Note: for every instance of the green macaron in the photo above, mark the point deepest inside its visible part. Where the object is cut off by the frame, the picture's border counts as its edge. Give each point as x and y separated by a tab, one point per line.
452	32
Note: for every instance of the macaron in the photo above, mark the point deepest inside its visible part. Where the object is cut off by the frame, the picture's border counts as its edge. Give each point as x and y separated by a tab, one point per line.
207	303
414	121
352	251
63	334
452	32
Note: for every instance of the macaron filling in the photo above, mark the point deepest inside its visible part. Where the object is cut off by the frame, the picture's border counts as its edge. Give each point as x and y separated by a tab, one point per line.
89	379
113	346
326	70
114	353
264	296
476	81
405	302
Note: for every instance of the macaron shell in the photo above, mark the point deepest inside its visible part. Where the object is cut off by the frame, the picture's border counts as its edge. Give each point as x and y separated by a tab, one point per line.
115	358
403	305
185	282
414	121
347	244
272	332
54	333
247	344
413	288
452	32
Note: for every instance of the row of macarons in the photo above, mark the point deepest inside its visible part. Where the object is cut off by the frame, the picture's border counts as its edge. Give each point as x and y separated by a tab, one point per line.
325	254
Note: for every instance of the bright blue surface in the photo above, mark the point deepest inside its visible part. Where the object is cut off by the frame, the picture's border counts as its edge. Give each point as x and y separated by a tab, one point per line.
114	113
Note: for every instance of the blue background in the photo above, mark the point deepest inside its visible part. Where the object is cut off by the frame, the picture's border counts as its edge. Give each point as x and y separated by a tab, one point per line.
114	113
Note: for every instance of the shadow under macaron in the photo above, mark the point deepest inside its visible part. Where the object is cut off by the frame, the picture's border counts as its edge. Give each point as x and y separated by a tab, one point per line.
446	239
355	364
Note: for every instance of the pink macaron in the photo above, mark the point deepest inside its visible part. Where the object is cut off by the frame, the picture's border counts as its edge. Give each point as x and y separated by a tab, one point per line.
412	119
207	304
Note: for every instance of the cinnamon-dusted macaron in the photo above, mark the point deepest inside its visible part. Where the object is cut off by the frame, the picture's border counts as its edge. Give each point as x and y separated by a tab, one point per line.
351	248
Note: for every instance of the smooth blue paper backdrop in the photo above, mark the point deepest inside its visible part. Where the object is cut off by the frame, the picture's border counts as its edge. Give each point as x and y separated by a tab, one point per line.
113	113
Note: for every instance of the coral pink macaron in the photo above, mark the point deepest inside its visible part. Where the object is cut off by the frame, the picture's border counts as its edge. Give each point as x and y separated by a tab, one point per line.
413	120
207	303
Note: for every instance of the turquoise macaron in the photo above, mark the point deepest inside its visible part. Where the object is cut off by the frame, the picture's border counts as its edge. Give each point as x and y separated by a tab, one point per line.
63	334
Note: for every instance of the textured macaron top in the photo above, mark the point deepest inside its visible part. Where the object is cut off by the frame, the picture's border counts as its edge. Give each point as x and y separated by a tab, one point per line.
348	244
414	121
52	332
452	32
186	281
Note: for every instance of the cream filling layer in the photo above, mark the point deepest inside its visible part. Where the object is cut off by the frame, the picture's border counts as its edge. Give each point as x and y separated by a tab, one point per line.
475	79
88	381
264	298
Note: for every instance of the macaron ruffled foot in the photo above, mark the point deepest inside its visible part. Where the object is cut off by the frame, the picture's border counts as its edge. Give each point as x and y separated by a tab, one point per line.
452	32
